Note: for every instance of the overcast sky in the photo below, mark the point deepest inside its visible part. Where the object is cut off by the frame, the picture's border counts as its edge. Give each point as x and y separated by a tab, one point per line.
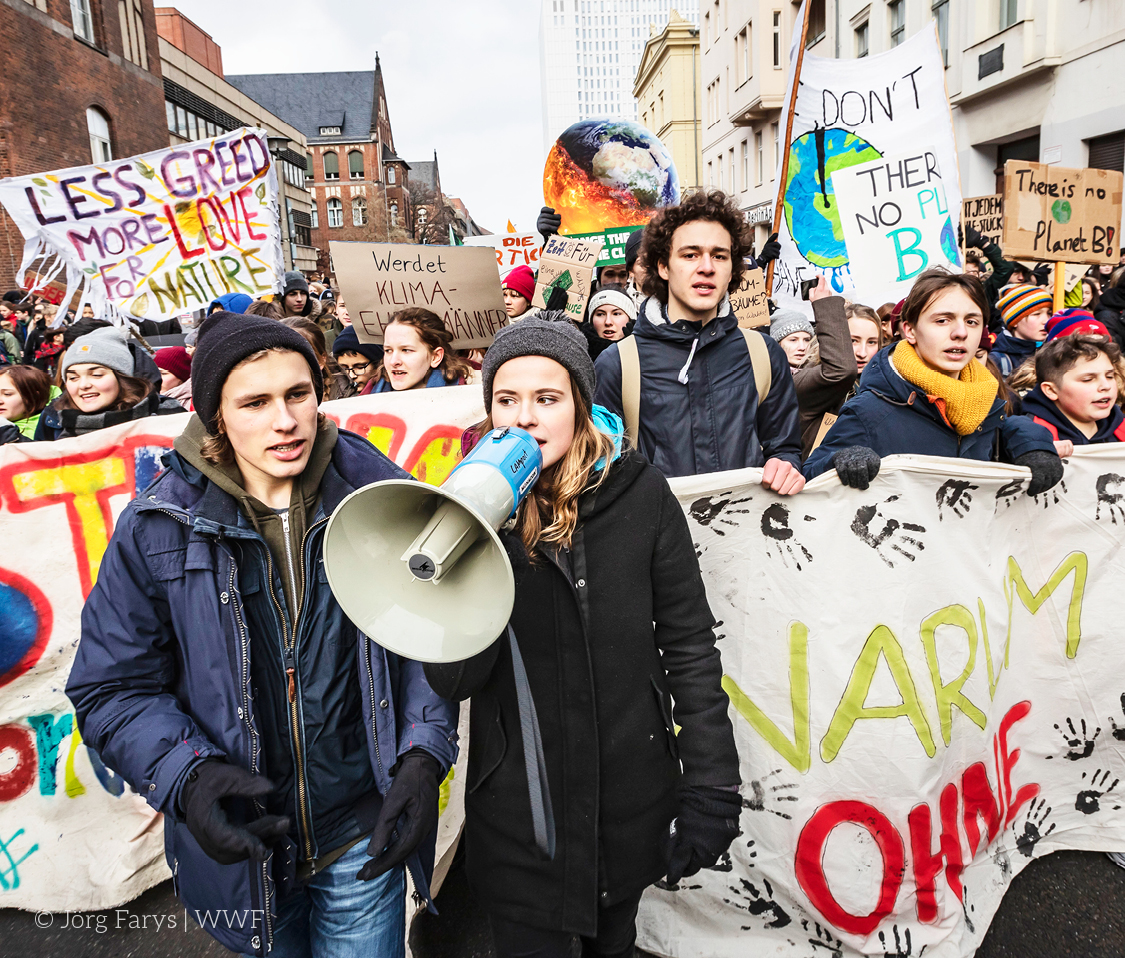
461	78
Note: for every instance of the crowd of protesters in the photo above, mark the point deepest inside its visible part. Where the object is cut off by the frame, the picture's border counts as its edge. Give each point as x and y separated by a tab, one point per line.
267	762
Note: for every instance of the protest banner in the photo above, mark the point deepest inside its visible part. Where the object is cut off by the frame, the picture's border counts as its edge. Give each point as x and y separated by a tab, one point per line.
1063	215
906	750
512	249
613	243
750	302
158	234
849	112
985	214
896	222
567	264
459	283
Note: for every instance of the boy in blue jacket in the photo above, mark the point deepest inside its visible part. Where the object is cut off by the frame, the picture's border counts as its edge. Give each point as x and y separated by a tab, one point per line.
928	395
213	654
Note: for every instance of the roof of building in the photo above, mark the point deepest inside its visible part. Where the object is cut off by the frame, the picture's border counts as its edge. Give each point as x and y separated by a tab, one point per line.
390	156
310	101
424	172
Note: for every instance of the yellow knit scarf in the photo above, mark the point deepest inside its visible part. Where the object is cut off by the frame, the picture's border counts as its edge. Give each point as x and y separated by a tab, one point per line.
965	401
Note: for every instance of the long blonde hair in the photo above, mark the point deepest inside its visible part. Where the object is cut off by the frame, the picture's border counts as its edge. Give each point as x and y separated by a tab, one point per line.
550	512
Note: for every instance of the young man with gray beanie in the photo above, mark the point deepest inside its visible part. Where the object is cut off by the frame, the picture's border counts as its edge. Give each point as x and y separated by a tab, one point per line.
218	675
295	299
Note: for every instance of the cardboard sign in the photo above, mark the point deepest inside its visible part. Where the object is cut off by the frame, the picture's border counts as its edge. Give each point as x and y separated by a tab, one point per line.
1061	215
567	264
459	283
750	302
827	421
896	220
512	249
985	214
613	240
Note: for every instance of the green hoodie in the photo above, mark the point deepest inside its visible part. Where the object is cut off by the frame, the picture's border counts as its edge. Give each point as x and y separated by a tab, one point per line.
269	524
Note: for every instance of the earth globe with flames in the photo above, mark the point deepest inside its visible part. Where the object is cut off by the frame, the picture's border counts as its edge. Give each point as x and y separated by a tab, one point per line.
603	173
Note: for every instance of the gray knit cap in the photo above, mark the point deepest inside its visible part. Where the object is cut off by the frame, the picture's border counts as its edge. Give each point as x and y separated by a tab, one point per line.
786	322
107	346
549	333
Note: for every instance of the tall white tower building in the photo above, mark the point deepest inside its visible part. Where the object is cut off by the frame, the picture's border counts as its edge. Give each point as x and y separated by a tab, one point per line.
589	51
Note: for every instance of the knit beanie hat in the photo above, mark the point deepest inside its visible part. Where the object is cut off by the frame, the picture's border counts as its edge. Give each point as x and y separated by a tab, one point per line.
348	342
549	333
613	296
1074	320
225	339
1022	300
633	247
108	346
176	360
520	280
294	281
786	322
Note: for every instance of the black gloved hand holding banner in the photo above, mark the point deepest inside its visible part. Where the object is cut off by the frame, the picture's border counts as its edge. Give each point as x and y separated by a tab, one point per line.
205	787
1046	470
857	466
409	813
703	830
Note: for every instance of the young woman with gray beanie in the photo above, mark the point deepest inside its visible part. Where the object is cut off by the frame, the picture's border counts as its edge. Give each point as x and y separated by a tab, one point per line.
611	624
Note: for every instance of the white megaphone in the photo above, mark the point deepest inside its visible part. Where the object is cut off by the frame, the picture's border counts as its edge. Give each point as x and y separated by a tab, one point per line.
420	569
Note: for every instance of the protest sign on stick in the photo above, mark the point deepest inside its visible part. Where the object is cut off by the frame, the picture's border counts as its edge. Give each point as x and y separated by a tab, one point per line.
459	283
1061	215
158	234
985	214
512	249
613	243
567	264
896	221
750	302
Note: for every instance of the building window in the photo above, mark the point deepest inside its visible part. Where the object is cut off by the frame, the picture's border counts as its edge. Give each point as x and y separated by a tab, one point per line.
355	164
897	10
170	110
82	20
730	166
394	214
777	39
862	39
390	174
359	211
97	123
1107	152
758	149
817	23
746	60
335	212
1009	13
309	167
331	166
940	10
719	164
132	17
315	214
710	173
745	165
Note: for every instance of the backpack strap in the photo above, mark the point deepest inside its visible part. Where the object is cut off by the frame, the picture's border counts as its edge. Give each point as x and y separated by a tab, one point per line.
630	388
760	360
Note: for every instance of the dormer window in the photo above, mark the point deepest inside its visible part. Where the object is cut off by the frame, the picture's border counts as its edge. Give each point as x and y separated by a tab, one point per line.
329	131
390	174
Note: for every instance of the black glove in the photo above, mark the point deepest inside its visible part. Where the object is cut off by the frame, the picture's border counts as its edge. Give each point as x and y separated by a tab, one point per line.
200	796
974	239
856	466
549	222
770	251
704	829
1046	470
409	813
557	300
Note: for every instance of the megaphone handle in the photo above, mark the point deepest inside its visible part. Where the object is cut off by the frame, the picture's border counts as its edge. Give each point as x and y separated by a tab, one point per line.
538	788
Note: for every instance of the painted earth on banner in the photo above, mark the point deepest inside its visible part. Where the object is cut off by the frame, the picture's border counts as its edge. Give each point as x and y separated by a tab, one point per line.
924	678
159	234
850	112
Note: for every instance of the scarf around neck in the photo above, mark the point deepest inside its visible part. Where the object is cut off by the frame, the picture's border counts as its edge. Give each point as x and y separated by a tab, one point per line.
966	401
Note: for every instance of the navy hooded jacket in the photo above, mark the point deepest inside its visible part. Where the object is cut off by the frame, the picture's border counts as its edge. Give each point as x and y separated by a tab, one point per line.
714	421
1010	352
162	676
892	416
1048	415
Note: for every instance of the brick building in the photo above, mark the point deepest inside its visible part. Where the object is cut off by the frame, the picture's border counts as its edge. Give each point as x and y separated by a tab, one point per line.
357	182
81	82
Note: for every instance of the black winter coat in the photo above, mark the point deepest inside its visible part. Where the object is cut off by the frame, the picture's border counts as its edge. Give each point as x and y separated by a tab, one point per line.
1111	313
592	625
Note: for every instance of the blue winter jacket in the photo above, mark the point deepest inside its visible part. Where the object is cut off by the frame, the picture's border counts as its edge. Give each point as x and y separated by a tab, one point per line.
1047	414
892	416
162	677
714	421
1009	352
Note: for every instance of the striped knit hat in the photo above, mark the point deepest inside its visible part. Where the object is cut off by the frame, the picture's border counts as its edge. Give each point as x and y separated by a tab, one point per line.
1021	301
1074	320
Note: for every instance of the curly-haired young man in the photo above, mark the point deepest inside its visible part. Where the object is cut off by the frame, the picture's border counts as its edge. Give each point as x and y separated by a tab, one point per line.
699	407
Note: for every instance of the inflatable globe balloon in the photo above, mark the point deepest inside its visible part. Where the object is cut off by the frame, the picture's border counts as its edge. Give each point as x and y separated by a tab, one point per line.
603	173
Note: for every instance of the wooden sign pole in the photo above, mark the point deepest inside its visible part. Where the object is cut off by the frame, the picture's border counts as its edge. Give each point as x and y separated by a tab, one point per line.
792	108
1059	286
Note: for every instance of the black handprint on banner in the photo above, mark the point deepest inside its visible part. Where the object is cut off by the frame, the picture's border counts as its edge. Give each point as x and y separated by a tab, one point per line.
709	510
775	527
1089	800
1033	833
1119	730
1009	492
724	864
824	939
768	794
1051	496
757	903
1079	742
955	495
1108	499
891	535
903	946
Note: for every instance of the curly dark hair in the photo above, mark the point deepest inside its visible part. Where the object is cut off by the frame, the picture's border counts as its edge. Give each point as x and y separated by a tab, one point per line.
711	205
